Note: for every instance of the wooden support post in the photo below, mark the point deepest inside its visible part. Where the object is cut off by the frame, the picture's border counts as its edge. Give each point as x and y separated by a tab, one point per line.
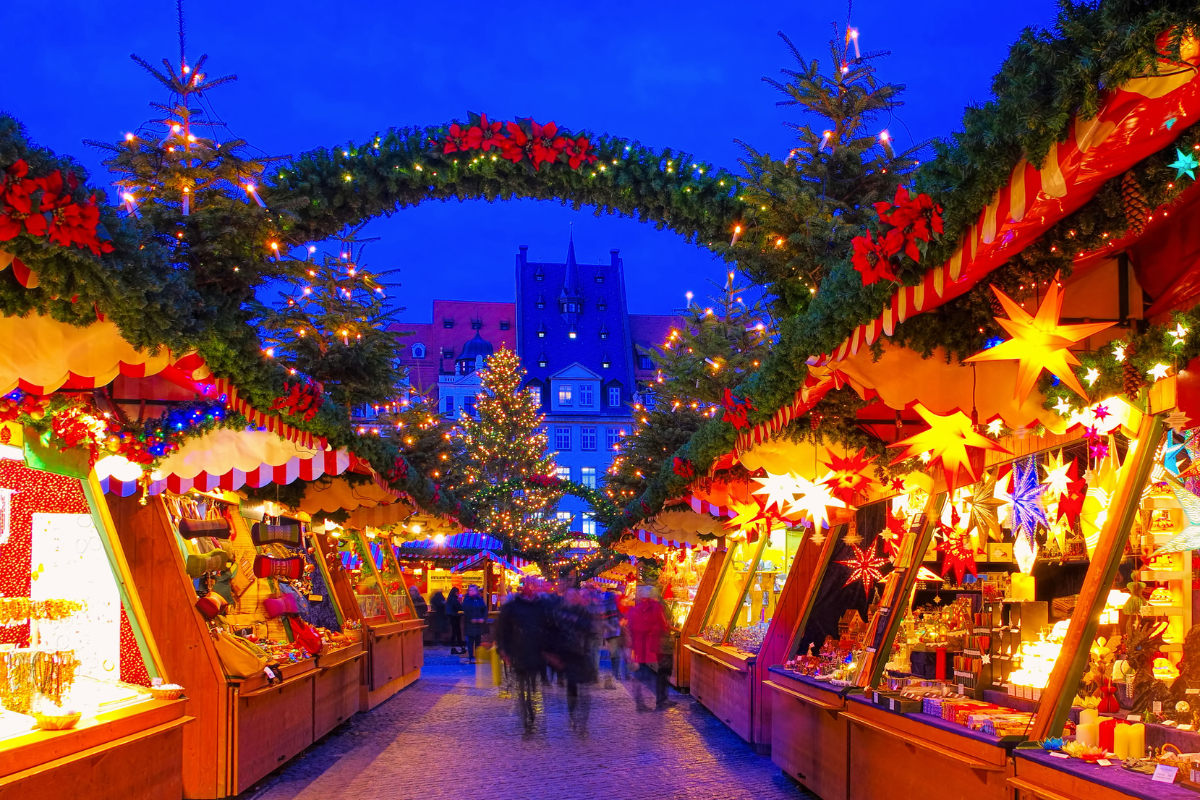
897	593
1123	508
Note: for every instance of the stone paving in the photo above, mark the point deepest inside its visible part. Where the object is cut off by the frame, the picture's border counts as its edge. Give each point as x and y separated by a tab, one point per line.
446	737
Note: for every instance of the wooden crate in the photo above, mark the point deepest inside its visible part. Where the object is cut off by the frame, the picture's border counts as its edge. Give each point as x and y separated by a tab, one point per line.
810	740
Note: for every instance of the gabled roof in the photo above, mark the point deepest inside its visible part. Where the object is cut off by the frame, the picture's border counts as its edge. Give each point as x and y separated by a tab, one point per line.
576	371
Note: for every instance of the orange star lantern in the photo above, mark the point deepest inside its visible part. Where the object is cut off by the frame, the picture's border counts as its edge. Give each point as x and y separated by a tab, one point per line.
947	442
1039	342
846	479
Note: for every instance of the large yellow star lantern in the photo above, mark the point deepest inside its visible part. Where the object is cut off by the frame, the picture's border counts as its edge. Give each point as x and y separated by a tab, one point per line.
777	491
947	442
814	499
1039	342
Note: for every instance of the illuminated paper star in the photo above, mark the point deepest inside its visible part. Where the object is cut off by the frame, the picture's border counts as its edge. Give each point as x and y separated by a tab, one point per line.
814	499
747	515
1179	334
1189	537
1028	513
981	506
995	427
1094	510
1039	342
898	484
959	556
947	442
1119	351
1159	371
1177	421
1062	407
1070	504
1058	475
893	535
779	490
1091	376
864	566
1171	450
1184	164
846	479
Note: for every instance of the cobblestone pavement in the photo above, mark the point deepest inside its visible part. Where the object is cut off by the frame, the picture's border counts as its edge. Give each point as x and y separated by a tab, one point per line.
444	737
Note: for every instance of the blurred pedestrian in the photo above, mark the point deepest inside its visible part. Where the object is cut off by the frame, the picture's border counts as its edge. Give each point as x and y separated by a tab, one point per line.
437	604
522	639
454	608
571	652
609	633
648	630
475	613
418	602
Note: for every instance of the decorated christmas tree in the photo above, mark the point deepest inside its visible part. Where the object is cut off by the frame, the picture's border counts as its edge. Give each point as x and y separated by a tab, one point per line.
196	191
425	438
803	211
509	475
330	325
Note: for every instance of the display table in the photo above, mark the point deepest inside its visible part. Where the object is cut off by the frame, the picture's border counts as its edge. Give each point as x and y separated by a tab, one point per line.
917	755
722	680
810	740
395	655
1041	776
336	688
136	751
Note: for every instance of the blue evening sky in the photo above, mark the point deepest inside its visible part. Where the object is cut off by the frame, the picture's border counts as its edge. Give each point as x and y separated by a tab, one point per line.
311	73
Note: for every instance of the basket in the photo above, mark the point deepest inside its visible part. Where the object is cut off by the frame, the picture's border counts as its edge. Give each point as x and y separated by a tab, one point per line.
57	722
1188	765
160	693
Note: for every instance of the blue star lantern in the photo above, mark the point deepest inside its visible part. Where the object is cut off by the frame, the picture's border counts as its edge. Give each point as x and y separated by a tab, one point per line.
1171	454
1184	164
1027	489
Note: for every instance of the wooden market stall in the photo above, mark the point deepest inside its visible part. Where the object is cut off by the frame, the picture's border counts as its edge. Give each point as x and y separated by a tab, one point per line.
76	649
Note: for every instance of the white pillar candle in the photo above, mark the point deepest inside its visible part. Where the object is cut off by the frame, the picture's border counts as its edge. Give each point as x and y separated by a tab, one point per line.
1088	734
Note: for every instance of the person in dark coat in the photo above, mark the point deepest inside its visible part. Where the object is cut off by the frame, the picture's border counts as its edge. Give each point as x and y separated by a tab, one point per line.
454	608
522	637
418	602
571	651
437	604
475	613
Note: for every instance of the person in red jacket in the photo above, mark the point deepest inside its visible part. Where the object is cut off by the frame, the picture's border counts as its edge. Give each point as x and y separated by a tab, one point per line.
648	629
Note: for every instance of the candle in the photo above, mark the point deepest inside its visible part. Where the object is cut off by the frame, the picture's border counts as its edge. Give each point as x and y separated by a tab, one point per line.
1024	587
1121	740
1088	734
1089	716
1107	733
1137	741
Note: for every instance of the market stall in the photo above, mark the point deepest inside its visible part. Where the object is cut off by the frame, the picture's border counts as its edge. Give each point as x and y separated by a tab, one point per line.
86	707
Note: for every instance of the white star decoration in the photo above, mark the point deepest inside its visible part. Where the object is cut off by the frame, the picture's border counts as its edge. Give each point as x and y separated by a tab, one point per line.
1091	376
814	499
986	658
1057	481
995	426
1159	371
780	490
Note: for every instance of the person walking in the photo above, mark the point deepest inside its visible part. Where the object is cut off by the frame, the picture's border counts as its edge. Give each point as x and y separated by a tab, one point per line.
454	607
474	611
522	639
608	630
572	652
648	629
437	604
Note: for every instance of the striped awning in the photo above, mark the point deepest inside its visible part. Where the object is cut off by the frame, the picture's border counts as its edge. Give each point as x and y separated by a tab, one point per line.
479	558
330	462
222	389
467	540
651	538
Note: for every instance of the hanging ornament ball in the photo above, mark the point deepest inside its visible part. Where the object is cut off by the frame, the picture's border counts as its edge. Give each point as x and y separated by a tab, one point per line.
113	444
311	551
308	567
1182	707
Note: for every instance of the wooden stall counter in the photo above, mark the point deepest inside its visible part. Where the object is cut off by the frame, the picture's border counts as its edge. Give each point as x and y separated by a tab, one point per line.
918	755
395	655
810	740
336	687
133	752
723	681
1041	776
274	722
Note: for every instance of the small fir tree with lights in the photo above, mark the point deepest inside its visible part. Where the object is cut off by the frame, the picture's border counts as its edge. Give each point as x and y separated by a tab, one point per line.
803	211
424	437
716	348
505	446
330	324
196	192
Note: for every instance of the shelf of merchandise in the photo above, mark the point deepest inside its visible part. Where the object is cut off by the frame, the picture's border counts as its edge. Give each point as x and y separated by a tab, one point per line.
244	728
681	667
135	750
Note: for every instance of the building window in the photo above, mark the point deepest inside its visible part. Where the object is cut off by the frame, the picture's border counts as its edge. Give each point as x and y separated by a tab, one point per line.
565	516
447	353
564	394
447	322
535	392
542	362
469	405
562	437
601	306
603	333
587	475
588	526
541	302
450	406
587	438
476	324
542	332
613	437
418	350
564	473
605	364
585	395
572	333
505	324
599	277
645	362
614	396
539	275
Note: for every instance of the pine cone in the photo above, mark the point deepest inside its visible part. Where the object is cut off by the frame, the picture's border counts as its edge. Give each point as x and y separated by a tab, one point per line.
997	306
1133	203
1130	375
815	419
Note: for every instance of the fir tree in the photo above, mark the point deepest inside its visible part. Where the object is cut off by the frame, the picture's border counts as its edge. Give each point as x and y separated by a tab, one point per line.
505	460
331	325
425	438
803	211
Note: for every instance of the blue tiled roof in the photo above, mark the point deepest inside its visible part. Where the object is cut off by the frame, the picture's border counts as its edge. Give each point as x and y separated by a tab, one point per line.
587	348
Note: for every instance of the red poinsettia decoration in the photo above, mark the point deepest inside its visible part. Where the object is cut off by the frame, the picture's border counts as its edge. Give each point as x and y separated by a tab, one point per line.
847	480
580	152
545	481
737	410
683	468
910	220
399	470
457	140
485	135
300	399
547	144
44	207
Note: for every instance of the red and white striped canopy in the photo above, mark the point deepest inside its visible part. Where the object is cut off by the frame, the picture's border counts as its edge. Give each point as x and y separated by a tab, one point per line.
330	462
